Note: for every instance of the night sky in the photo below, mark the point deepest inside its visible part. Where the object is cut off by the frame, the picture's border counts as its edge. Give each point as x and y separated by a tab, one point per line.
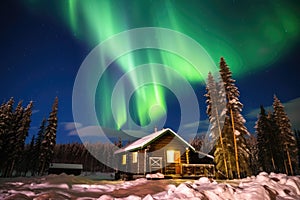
44	44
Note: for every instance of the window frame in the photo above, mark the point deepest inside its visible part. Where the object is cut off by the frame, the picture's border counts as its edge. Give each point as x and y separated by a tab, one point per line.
173	156
134	157
124	159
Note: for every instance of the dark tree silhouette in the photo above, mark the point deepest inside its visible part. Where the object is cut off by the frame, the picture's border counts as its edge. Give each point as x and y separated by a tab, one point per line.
48	144
288	143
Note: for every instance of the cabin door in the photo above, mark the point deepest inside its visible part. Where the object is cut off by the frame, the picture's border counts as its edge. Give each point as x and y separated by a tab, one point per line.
155	164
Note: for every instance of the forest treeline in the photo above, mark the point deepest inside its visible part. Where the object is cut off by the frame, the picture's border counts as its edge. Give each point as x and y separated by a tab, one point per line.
78	153
16	158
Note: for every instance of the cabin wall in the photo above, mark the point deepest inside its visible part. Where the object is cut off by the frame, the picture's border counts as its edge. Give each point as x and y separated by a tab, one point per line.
135	168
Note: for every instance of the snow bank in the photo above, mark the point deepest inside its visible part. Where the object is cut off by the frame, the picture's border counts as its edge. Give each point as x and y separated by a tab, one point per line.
155	176
263	186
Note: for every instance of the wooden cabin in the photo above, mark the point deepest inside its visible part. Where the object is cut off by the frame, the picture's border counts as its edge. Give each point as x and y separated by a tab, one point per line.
166	152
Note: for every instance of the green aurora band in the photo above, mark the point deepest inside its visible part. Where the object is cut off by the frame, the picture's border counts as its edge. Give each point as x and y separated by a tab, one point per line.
249	34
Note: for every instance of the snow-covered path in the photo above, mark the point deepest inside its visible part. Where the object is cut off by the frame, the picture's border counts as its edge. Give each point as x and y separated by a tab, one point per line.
264	186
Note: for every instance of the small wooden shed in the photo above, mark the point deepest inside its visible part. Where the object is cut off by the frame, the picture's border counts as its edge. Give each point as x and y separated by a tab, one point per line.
58	168
166	152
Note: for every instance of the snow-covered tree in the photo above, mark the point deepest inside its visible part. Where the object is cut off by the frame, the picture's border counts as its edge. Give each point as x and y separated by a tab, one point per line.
48	144
234	125
6	132
269	157
19	132
287	138
216	110
13	139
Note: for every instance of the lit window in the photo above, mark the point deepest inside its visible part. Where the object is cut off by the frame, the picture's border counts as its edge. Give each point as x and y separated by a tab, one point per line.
134	157
124	159
173	156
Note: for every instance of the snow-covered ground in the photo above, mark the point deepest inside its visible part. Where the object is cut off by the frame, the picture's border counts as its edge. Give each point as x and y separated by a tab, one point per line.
263	186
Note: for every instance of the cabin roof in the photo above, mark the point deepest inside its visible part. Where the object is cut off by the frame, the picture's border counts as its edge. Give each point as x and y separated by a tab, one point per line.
144	141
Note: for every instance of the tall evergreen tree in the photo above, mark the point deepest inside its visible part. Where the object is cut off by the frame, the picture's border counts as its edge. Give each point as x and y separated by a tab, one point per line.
6	119
37	146
216	110
287	138
13	137
234	125
48	144
269	157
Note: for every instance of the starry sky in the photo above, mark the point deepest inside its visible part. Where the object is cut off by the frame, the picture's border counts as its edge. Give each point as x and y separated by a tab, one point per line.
46	48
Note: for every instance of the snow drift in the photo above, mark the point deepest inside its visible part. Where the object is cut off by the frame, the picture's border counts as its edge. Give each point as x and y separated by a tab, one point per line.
263	186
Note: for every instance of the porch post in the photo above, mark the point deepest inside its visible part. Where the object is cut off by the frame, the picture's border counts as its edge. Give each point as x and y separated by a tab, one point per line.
187	155
145	161
138	162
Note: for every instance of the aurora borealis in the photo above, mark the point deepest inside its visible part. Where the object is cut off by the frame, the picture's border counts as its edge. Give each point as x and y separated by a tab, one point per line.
252	36
243	50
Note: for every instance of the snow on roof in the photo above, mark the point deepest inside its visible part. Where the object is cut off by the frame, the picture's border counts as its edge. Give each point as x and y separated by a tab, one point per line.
144	141
65	166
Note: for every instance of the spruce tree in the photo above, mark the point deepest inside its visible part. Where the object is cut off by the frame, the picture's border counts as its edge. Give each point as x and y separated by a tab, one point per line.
48	144
13	137
288	143
37	147
267	143
6	132
216	109
234	125
23	129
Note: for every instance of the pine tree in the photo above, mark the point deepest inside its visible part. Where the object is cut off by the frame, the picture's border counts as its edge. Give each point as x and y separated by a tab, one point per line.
287	138
216	109
13	136
22	132
6	132
267	143
235	123
37	147
48	144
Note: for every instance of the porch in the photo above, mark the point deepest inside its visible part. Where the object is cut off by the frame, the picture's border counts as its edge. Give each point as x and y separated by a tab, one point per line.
181	169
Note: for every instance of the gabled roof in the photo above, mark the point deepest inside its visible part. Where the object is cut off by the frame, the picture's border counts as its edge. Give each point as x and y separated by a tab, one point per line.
145	141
